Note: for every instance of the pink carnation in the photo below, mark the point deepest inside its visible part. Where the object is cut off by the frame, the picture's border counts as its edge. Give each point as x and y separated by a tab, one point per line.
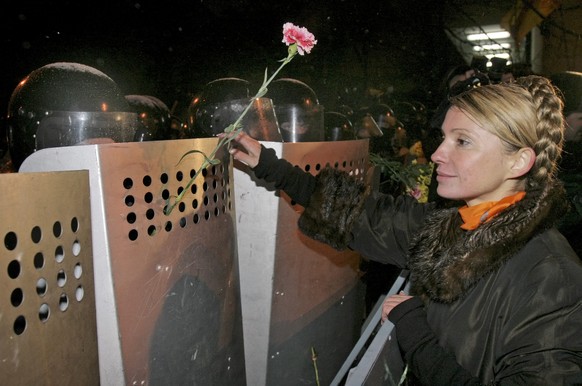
300	35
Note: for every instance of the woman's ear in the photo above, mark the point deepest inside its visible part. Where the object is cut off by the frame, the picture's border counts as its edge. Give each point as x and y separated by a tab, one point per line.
523	161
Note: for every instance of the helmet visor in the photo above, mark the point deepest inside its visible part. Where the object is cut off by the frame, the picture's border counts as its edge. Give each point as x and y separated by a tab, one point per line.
69	128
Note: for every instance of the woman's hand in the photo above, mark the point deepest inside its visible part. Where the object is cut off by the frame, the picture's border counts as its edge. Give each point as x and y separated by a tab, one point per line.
245	149
391	302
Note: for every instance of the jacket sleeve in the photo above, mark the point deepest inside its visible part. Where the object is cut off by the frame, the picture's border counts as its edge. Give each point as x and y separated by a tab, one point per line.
335	205
332	200
298	184
427	360
385	229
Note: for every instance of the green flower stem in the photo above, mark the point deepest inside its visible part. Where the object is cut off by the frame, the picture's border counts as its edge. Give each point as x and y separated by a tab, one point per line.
232	130
314	360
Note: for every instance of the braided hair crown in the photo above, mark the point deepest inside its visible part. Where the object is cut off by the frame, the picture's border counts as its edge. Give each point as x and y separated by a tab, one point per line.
549	128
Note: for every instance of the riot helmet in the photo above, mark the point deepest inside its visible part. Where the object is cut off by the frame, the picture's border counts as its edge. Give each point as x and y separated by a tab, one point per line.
412	119
383	115
422	113
154	117
384	121
65	104
338	127
457	74
221	103
478	79
345	110
207	113
300	116
365	124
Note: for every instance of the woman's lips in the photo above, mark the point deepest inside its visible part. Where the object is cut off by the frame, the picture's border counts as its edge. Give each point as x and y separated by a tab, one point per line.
443	176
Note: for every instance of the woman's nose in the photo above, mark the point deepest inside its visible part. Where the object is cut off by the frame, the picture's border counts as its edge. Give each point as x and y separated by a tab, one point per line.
438	155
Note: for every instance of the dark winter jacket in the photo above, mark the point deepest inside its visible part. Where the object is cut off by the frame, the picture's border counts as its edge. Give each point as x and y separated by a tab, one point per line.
501	304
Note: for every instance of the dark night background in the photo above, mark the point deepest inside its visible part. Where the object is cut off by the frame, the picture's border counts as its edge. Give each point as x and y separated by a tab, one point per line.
170	49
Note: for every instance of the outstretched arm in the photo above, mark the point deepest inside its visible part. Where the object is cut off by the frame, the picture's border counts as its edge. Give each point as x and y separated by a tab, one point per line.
332	200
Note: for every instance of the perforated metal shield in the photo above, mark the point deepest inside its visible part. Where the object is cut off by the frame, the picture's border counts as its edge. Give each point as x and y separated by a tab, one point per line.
168	307
48	333
297	293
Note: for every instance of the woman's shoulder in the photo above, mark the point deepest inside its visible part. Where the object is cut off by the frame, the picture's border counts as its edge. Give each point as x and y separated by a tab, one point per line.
553	245
549	260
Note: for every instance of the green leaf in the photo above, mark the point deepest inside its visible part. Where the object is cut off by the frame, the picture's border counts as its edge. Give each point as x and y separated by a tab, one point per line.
190	152
229	128
408	175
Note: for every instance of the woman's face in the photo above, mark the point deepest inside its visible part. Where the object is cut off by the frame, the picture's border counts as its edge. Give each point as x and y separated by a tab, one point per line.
471	164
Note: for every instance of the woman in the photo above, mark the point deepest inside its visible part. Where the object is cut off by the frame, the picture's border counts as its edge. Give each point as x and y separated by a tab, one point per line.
496	289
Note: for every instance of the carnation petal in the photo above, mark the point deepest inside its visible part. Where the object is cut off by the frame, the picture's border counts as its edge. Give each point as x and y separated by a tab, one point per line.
300	36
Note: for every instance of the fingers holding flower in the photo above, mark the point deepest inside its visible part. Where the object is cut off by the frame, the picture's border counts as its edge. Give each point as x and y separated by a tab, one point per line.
247	149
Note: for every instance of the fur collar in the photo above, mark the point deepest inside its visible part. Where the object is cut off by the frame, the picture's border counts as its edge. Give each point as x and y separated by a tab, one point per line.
446	261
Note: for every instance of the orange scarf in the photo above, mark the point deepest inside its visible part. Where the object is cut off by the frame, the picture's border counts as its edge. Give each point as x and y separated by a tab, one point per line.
473	216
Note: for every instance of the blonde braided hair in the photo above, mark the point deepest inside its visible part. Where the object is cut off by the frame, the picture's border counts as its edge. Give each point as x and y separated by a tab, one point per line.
549	128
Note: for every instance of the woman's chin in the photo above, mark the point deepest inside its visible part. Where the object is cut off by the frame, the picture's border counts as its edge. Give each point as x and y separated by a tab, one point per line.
444	193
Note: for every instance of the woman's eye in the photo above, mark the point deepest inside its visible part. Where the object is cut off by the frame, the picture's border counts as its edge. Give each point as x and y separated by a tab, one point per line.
462	142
